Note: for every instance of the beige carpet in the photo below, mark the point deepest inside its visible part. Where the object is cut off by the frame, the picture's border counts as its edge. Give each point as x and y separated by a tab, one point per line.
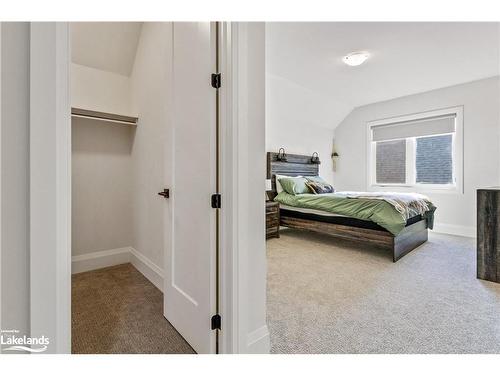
332	296
117	310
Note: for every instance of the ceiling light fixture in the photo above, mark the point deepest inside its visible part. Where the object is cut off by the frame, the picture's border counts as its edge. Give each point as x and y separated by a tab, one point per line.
355	58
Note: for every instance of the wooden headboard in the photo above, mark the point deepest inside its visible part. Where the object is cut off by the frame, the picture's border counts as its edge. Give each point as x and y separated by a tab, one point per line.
296	165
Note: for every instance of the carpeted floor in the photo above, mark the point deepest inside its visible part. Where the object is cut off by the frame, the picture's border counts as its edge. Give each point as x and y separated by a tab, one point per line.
331	296
117	310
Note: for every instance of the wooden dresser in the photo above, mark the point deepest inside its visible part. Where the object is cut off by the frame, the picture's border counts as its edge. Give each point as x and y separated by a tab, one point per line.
488	234
272	219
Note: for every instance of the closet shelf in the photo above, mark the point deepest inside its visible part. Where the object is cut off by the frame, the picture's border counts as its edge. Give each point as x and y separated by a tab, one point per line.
103	116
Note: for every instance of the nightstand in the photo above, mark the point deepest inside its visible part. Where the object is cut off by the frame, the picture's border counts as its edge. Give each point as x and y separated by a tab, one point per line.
272	219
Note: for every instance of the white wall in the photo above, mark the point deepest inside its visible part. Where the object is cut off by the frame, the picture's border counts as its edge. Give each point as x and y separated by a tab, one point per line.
14	109
300	120
101	185
151	83
456	212
100	90
102	198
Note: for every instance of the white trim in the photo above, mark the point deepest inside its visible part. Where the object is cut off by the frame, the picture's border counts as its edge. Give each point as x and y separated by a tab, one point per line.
456	230
145	266
258	341
229	222
237	127
114	257
1	25
235	303
100	259
50	185
240	116
458	153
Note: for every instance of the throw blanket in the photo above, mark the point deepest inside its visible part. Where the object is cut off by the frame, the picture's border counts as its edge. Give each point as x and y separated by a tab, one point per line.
407	204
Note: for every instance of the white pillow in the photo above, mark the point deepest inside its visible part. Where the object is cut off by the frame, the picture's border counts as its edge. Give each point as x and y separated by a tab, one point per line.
279	188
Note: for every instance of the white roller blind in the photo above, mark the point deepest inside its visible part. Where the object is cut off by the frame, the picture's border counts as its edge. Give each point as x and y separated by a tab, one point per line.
415	128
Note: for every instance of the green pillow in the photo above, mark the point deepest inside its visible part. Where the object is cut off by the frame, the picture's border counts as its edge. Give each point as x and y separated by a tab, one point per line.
294	186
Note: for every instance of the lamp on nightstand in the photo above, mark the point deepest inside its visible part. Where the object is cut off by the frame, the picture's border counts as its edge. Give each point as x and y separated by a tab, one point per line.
269	187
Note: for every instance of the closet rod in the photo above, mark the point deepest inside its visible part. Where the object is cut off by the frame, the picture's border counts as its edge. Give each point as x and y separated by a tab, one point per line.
103	116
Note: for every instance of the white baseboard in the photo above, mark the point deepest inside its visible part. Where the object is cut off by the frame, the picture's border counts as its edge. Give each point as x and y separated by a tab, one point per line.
258	341
457	230
145	266
114	257
100	259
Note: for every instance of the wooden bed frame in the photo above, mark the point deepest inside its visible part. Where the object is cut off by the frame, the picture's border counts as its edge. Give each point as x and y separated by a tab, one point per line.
410	238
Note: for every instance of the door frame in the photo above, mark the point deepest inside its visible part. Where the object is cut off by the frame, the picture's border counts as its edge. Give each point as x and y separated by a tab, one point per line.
1	23
50	189
242	58
50	185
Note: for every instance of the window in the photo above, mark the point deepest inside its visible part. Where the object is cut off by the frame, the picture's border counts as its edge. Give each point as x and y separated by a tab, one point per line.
434	160
421	151
391	162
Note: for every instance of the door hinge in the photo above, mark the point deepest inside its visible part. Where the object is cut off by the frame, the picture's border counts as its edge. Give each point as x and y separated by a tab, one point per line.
216	322
216	200
216	80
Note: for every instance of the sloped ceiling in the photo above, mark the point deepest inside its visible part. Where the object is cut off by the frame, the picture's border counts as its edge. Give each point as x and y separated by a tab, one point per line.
109	46
406	58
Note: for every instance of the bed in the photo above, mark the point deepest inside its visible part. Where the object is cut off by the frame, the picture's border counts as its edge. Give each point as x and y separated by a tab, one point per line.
308	212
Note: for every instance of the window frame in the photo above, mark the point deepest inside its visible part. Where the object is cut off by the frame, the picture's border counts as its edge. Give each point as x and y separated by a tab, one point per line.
411	184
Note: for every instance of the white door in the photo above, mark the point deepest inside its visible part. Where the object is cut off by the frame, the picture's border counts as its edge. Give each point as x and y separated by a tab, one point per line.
189	284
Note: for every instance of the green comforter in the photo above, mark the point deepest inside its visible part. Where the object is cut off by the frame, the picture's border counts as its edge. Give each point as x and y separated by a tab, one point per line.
376	210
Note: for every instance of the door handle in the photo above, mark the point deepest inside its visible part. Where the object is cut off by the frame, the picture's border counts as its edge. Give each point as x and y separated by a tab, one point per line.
165	193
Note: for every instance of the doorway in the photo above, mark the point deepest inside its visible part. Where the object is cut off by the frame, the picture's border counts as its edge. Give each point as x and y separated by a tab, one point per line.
144	167
242	259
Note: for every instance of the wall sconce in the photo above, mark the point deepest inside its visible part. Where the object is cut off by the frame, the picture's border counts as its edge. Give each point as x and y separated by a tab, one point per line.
281	154
335	156
315	158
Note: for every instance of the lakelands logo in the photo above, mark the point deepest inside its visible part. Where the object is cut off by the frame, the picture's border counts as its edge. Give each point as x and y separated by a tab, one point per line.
14	342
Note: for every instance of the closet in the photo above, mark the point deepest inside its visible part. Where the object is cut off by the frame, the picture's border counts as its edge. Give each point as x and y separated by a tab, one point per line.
143	117
118	161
